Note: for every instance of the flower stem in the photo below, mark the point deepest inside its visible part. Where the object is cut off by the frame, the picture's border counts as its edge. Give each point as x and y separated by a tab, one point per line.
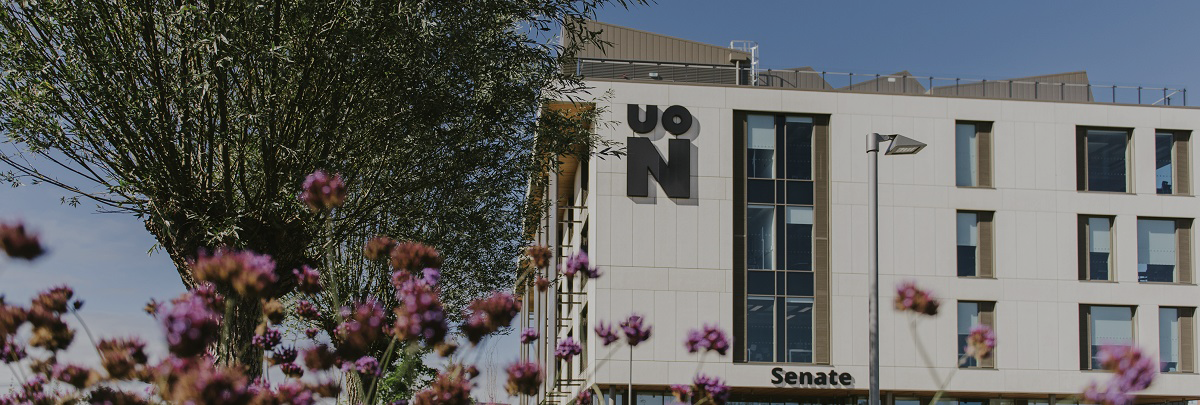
387	355
88	332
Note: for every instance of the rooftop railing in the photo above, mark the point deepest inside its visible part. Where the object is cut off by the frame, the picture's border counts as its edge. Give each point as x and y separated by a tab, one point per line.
1061	87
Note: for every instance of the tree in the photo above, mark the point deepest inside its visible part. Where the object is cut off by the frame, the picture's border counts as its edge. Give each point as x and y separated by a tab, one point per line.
197	116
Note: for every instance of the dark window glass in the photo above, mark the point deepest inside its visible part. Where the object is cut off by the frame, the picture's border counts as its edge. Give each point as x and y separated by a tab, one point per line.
799	149
760	237
968	317
1164	177
1156	250
780	283
1169	343
968	243
1106	161
760	328
799	330
760	191
800	283
760	282
1099	234
799	246
760	146
800	192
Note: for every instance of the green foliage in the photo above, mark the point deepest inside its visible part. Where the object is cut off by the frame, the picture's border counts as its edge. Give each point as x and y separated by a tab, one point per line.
407	375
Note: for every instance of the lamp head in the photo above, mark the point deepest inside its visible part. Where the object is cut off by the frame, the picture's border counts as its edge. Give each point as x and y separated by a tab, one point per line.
902	145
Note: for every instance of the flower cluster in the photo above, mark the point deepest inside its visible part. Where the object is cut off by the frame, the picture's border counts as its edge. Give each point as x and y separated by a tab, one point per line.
489	314
308	280
248	273
1133	371
709	338
17	243
542	284
378	247
635	331
710	387
451	387
524	378
367	365
579	262
567	348
306	310
911	298
420	314
682	393
122	358
980	342
363	326
413	256
540	255
606	333
529	335
584	398
273	311
267	338
191	325
320	357
322	192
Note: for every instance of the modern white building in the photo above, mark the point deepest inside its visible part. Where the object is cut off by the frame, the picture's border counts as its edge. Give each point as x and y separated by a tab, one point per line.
1057	215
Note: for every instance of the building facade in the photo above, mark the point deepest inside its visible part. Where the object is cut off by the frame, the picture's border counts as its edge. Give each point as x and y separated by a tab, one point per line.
1062	222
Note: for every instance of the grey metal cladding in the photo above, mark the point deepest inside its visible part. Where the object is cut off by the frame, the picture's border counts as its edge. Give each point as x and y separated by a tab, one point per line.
631	44
1068	86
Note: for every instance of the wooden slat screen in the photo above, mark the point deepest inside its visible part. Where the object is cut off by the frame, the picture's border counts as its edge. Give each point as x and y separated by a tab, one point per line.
987	316
987	248
1083	247
1081	158
1187	340
1183	163
1085	348
984	139
823	279
739	237
1183	238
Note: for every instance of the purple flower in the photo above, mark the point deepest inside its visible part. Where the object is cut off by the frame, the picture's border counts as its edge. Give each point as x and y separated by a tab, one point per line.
523	378
295	393
606	333
311	332
362	328
306	310
1132	371
322	192
191	325
308	280
635	331
420	314
413	256
320	357
710	338
378	247
54	300
283	355
540	255
450	387
584	398
567	348
10	352
122	357
267	338
711	387
17	243
248	273
980	342
529	335
911	298
682	393
489	315
291	370
367	365
580	262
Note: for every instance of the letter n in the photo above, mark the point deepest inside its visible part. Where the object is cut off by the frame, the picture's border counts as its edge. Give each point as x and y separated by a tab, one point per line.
674	177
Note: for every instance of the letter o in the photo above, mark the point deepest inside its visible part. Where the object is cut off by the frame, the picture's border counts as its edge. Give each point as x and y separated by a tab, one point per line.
685	120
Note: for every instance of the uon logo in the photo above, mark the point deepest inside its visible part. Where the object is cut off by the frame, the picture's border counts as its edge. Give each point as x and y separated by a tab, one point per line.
674	176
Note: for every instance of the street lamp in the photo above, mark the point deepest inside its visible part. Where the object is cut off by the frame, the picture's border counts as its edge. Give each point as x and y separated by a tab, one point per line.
899	145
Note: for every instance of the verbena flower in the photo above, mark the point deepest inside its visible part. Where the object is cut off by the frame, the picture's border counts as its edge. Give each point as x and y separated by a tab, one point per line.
109	396
367	365
540	255
542	284
420	314
283	355
322	192
911	298
489	314
267	338
54	300
246	272
308	280
606	333
11	352
710	387
980	342
360	330
378	248
191	325
11	318
306	310
709	338
1132	371
635	331
576	263
17	243
450	387
291	370
76	376
320	357
682	393
311	332
413	256
567	349
199	382
294	393
524	378
273	311
584	398
122	357
529	335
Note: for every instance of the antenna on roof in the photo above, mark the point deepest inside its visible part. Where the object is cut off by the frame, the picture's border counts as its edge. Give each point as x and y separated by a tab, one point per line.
750	47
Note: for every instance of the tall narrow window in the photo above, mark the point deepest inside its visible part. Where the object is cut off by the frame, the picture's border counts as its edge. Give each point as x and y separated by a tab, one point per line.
1172	166
779	284
1095	248
972	154
1103	325
974	235
1156	250
1103	159
969	315
1176	344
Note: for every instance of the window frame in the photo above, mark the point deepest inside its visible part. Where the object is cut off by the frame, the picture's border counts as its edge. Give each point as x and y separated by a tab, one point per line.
985	246
1180	161
983	153
1085	270
1081	158
1086	333
985	312
1183	273
1185	317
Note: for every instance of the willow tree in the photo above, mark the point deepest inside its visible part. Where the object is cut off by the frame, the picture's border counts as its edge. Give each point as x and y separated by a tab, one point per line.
203	117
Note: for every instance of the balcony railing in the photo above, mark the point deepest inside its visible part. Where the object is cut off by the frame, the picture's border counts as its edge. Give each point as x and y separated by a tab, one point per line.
1063	87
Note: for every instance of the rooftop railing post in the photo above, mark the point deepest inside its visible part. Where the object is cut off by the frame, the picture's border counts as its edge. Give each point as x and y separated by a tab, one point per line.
877	82
1035	90
1139	94
1165	99
930	84
822	80
956	80
904	84
1062	91
984	88
1114	98
1185	97
1010	89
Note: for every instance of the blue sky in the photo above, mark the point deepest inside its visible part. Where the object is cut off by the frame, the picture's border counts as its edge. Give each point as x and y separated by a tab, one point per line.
1151	43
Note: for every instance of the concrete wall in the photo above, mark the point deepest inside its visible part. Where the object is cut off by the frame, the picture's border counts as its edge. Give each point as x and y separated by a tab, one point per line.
671	259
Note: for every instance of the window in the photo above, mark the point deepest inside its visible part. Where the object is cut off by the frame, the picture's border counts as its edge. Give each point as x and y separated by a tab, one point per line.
779	283
1103	159
1171	163
1103	325
969	315
1095	248
1176	342
974	235
1164	250
973	154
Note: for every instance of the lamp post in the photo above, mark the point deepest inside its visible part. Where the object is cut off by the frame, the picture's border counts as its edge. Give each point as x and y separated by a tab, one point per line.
899	145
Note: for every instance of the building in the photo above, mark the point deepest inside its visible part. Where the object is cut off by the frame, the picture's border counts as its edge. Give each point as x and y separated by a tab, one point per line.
1056	211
